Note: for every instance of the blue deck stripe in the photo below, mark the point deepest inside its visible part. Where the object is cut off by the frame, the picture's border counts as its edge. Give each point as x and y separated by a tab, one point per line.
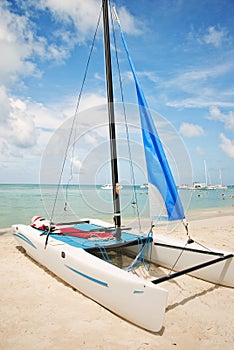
87	276
26	239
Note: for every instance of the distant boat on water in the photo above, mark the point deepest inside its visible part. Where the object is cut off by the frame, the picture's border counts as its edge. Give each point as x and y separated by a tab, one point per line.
213	187
198	186
183	187
221	186
110	187
107	187
205	185
144	186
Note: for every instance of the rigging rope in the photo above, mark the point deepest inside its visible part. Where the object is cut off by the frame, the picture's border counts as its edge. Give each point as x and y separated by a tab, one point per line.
144	251
73	134
73	128
133	181
78	104
189	241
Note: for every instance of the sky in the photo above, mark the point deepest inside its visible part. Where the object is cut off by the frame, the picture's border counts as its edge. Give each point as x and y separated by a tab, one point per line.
183	53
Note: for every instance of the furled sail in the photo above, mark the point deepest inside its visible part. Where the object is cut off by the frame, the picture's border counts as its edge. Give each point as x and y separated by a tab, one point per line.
159	173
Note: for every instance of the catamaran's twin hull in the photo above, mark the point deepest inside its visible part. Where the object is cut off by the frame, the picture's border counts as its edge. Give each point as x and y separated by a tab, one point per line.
140	301
189	258
192	258
127	295
209	264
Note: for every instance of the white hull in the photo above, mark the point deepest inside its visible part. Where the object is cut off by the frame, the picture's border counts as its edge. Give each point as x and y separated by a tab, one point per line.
166	251
220	273
135	299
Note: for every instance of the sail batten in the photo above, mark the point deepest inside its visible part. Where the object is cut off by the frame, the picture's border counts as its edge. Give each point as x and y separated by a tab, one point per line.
158	169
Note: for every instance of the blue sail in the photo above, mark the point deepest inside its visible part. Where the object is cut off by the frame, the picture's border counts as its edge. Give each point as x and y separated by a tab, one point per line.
159	173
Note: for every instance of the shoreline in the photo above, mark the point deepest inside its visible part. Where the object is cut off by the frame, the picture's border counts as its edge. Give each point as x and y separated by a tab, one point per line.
21	204
38	308
191	215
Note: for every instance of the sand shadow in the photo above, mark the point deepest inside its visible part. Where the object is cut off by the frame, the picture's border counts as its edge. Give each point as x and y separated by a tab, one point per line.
191	297
58	279
4	231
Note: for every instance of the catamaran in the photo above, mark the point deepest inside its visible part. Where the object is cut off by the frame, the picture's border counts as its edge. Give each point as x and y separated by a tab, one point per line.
79	252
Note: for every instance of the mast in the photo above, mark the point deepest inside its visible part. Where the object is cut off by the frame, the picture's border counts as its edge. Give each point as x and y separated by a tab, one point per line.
111	114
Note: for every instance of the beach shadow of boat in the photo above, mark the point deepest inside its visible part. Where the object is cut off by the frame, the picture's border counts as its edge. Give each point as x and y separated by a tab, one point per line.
159	271
191	297
4	231
23	251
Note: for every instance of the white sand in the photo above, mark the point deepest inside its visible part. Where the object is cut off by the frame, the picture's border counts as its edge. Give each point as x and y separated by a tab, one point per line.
38	311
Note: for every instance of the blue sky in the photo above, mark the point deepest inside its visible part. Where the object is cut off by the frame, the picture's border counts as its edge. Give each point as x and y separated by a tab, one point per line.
183	52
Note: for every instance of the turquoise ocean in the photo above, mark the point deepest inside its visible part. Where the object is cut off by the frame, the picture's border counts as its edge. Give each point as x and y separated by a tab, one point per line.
19	203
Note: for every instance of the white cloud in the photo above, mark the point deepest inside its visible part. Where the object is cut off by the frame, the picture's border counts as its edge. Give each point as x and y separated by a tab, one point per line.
200	75
226	119
92	100
5	106
19	130
76	162
191	130
20	46
212	35
227	145
18	135
200	85
215	36
84	15
23	131
199	102
90	139
200	151
129	23
26	123
26	126
15	38
21	124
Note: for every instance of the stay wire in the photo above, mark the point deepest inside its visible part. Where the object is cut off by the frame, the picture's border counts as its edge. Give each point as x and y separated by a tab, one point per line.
73	128
189	241
75	120
126	127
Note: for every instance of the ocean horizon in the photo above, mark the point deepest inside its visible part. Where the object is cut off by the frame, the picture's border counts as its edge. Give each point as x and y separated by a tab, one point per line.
20	202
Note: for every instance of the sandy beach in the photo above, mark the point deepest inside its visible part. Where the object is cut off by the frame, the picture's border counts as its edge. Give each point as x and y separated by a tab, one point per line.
39	311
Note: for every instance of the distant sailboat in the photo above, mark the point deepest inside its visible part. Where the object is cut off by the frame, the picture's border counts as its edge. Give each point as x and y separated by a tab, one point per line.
209	186
220	186
144	186
110	187
107	187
